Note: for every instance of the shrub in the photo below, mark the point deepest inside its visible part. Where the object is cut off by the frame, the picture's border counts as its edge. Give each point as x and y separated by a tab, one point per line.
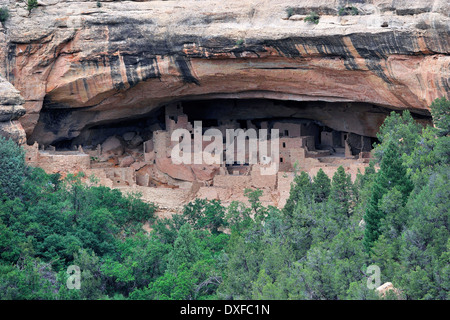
289	12
312	17
31	4
12	168
4	14
99	4
440	111
239	42
345	11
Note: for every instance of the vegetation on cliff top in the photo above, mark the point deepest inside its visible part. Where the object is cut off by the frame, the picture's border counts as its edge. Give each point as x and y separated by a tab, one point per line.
4	14
344	11
313	17
31	4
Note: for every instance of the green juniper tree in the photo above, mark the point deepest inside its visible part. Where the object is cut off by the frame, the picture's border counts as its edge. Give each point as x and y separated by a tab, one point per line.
12	168
185	250
201	214
400	129
341	192
440	111
31	4
321	186
301	189
392	174
4	14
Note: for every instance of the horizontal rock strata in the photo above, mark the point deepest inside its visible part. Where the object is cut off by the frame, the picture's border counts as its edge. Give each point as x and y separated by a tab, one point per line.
79	65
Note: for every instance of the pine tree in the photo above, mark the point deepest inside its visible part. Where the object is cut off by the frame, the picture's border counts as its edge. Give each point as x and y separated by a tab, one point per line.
440	111
392	174
402	130
341	192
12	168
185	250
321	186
301	188
362	184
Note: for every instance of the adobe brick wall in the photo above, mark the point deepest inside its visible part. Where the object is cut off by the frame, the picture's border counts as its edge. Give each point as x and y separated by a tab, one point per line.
53	162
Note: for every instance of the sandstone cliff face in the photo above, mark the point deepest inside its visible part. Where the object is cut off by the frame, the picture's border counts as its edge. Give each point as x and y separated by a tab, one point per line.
78	65
10	110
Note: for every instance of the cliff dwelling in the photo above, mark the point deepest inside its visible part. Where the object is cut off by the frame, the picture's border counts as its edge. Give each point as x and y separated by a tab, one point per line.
94	90
135	154
215	114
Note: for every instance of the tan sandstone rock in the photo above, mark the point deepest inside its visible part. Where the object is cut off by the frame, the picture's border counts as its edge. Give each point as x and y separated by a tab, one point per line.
11	109
112	146
181	171
204	172
127	161
385	288
85	65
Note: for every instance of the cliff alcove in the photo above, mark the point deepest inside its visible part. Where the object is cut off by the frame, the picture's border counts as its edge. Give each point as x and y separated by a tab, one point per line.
106	75
357	118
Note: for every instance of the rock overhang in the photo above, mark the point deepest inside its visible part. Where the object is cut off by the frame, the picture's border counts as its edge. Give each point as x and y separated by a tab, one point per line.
84	65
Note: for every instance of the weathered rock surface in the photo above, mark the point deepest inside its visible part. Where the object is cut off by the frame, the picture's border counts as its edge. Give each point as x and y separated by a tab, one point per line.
386	287
204	172
78	65
127	161
128	136
112	146
11	110
176	171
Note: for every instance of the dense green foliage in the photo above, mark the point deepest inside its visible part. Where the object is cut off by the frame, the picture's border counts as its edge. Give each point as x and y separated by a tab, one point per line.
391	181
345	11
317	247
4	14
31	4
12	168
289	12
313	17
48	223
